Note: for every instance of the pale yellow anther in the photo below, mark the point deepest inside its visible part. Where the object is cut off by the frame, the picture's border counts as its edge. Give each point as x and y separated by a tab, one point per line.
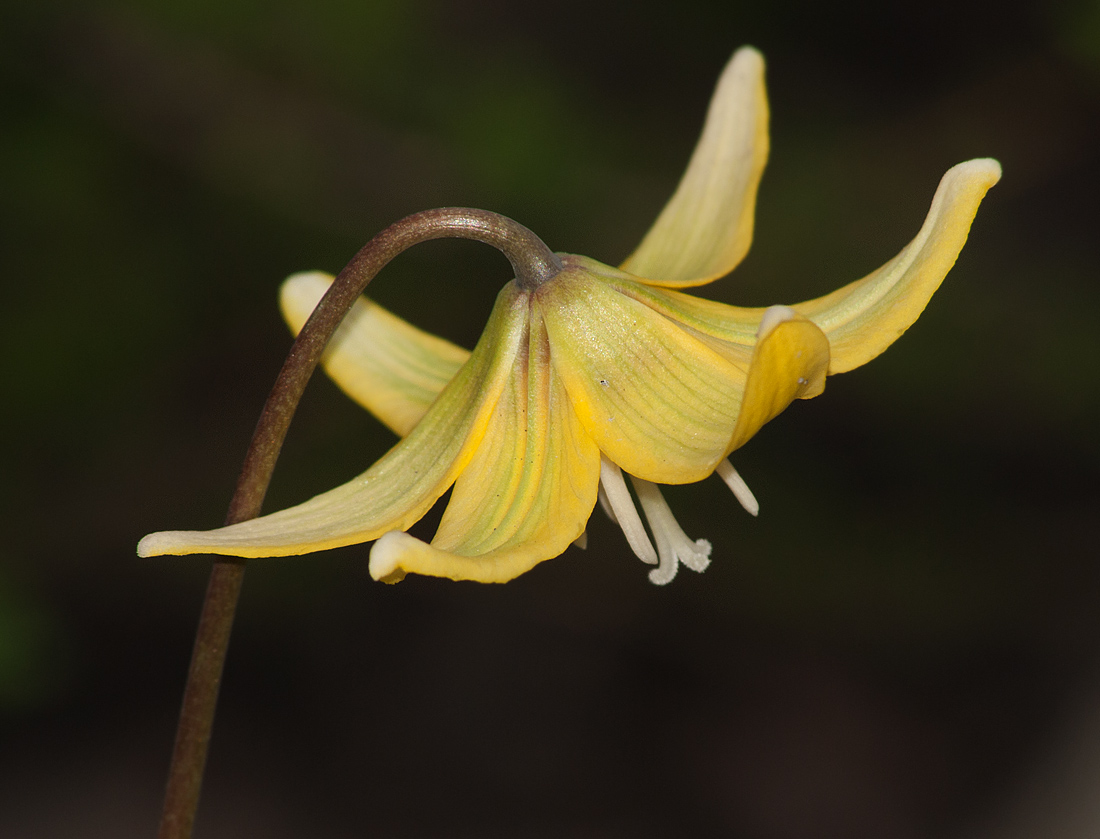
626	514
738	487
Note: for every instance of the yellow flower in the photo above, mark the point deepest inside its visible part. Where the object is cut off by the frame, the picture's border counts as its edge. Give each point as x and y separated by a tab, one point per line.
596	372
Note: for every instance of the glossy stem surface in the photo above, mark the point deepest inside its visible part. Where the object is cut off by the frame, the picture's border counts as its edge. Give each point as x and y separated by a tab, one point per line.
533	263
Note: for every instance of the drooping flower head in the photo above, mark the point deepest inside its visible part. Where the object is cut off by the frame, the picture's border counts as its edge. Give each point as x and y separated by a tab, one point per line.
596	372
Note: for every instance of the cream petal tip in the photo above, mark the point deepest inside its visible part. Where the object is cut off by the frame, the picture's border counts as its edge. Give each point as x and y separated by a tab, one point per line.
166	543
747	58
983	168
306	280
147	546
773	316
386	555
300	293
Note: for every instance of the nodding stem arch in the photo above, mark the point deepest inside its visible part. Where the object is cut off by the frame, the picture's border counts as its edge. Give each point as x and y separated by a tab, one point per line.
533	263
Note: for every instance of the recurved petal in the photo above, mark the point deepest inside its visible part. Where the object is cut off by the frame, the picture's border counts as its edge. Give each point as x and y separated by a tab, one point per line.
388	366
730	330
790	361
657	400
706	228
865	317
401	487
525	495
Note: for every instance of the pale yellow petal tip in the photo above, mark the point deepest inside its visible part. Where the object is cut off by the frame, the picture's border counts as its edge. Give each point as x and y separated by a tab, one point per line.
217	542
167	543
985	170
386	555
746	59
773	316
744	70
306	280
396	554
300	294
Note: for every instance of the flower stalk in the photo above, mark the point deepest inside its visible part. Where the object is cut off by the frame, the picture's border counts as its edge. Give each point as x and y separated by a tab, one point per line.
533	264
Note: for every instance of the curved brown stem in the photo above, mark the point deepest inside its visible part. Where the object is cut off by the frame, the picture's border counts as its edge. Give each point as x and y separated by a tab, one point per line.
533	262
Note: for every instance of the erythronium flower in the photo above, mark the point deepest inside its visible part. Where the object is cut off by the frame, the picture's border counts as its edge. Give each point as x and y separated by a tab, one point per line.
595	372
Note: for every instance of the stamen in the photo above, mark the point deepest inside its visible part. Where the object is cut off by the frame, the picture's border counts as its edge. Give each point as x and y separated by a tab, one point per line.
601	493
738	486
626	514
673	545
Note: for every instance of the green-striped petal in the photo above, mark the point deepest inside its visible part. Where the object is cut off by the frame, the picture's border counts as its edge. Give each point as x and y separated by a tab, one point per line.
388	366
525	495
657	400
403	485
706	228
729	330
865	317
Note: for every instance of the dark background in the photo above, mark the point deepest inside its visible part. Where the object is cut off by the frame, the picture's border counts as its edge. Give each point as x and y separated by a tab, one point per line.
904	644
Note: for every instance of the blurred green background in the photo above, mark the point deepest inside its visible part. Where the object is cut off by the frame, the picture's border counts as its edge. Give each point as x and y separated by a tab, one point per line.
904	644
